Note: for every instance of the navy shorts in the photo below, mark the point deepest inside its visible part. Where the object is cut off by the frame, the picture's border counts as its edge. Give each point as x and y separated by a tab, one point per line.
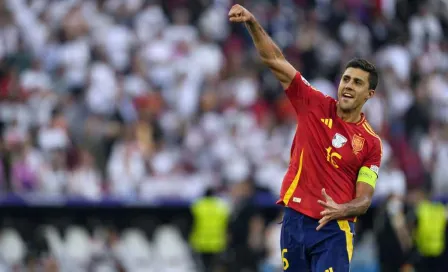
305	249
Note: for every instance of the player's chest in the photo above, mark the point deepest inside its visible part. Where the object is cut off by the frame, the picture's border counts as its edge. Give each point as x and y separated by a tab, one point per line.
339	144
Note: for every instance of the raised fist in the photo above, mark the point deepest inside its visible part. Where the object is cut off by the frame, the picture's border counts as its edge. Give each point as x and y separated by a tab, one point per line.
239	14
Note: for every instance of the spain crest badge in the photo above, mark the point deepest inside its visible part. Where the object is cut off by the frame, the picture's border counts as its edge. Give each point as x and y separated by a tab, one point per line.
357	143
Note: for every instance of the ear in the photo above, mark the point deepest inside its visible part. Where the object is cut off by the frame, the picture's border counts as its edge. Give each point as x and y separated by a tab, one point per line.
371	94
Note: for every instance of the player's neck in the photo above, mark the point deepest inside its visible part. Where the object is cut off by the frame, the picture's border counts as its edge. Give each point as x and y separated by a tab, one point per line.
353	116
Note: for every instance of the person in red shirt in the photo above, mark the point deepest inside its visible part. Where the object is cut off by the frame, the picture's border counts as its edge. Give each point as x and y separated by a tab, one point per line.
335	159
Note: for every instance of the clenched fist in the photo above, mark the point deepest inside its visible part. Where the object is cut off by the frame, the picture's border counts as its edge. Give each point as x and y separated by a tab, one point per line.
239	14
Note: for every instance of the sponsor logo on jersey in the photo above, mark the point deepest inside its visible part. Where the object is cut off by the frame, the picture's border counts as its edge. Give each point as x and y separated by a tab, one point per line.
327	122
338	140
375	169
357	143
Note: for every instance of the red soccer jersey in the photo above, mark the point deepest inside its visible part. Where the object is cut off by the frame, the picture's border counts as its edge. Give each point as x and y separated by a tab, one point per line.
326	152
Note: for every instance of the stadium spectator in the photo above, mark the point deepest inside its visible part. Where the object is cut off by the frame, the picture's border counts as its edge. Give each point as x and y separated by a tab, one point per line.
208	237
392	234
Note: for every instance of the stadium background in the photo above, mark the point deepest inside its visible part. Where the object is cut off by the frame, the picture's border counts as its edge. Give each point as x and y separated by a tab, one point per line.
116	115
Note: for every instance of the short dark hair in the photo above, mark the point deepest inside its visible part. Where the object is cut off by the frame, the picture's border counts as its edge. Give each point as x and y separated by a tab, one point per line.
365	65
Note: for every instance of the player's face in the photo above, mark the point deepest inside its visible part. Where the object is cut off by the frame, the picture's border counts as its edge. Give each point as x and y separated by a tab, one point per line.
354	89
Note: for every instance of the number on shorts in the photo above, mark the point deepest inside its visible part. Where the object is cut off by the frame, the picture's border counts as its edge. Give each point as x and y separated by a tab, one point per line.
285	261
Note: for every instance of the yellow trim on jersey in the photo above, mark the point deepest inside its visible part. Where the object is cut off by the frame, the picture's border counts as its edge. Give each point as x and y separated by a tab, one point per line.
345	227
367	175
294	183
369	130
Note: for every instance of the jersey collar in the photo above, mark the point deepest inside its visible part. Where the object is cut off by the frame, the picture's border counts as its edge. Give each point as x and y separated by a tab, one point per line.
363	118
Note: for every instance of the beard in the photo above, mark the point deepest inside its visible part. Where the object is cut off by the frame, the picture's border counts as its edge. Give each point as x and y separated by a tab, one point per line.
348	106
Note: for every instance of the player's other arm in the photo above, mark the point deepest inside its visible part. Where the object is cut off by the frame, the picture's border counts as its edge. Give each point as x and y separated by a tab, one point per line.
356	207
269	52
362	201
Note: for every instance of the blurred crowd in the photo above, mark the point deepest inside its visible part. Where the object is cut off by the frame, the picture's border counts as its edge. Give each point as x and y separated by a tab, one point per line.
132	99
136	98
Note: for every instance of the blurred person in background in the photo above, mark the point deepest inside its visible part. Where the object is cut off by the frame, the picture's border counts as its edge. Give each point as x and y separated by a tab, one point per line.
417	119
272	261
53	174
429	221
126	167
85	179
208	237
392	234
246	229
434	153
25	162
54	135
392	180
390	225
23	178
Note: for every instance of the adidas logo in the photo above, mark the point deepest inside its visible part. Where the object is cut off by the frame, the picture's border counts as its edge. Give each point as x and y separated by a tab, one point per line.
331	268
328	122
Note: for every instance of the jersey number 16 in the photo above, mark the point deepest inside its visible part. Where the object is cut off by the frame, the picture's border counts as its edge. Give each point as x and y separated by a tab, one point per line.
332	156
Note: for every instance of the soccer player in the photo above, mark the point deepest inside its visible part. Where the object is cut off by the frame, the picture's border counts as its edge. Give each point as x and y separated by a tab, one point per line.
335	159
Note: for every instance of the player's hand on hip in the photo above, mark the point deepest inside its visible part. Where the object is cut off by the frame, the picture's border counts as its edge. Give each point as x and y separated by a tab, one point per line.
332	210
238	14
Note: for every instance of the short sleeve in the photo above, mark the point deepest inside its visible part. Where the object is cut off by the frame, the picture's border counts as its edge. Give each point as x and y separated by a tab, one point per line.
373	158
302	95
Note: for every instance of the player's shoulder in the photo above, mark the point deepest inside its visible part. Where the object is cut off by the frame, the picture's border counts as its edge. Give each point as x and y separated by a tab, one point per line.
307	84
372	138
369	132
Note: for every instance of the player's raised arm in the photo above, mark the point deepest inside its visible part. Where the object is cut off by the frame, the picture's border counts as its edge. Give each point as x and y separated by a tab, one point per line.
269	52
